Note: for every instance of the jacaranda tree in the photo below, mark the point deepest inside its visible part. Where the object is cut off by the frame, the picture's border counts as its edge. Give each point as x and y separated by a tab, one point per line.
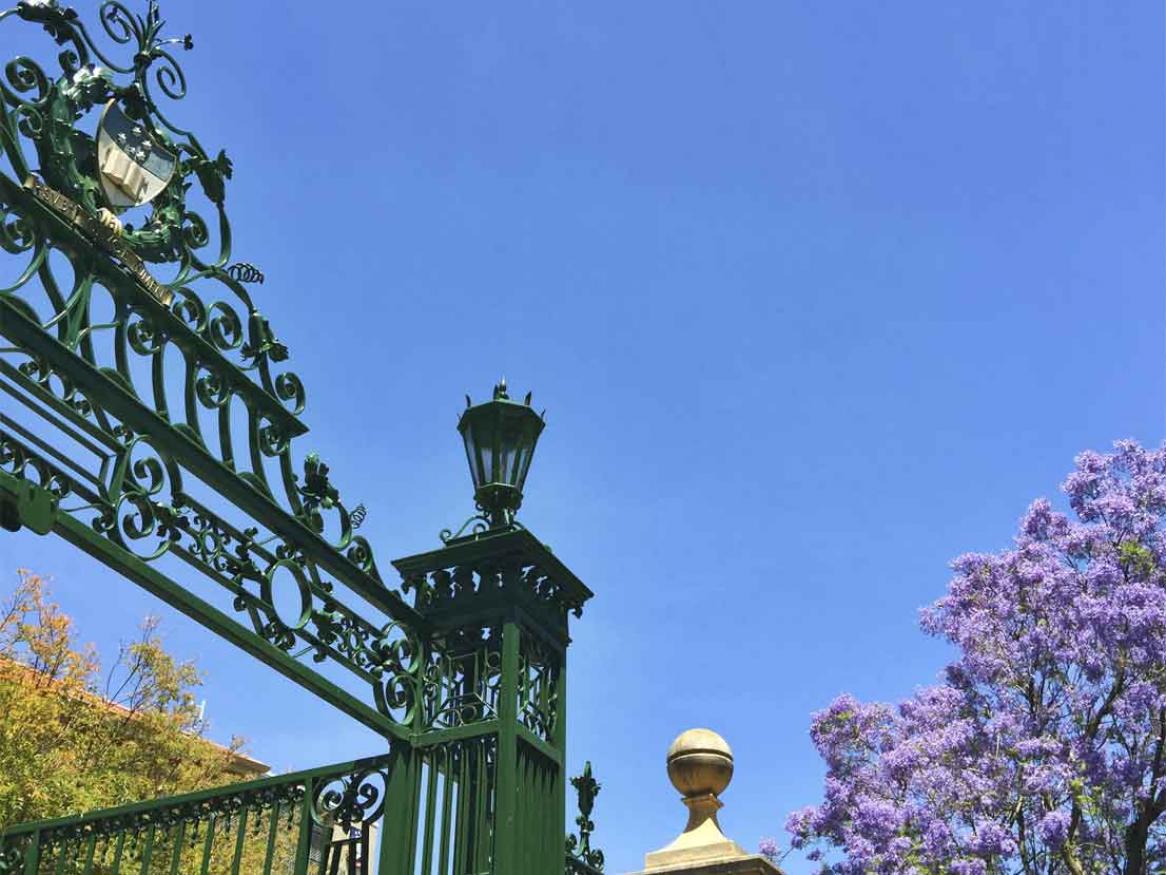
1044	748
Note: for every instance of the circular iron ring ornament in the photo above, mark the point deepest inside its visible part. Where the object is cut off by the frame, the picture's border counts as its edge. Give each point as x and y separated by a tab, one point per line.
267	592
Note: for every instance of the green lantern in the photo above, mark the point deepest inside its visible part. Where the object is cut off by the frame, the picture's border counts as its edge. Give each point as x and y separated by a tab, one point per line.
500	437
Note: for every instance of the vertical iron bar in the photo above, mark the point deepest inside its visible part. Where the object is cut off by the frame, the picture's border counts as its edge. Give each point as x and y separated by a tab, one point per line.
506	759
558	799
482	809
532	821
399	836
446	809
304	840
208	844
430	810
32	855
272	827
158	378
239	840
462	827
480	855
176	854
90	850
117	849
226	445
148	852
536	812
554	831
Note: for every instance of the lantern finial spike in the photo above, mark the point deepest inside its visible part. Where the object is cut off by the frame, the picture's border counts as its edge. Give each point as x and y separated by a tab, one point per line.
500	391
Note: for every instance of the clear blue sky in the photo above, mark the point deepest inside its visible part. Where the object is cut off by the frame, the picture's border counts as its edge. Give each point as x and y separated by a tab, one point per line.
817	295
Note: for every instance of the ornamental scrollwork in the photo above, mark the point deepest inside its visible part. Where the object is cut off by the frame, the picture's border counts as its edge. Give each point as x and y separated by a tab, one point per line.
538	688
439	589
353	799
462	678
12	856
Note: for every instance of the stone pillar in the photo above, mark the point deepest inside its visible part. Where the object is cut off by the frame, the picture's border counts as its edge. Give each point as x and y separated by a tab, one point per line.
700	766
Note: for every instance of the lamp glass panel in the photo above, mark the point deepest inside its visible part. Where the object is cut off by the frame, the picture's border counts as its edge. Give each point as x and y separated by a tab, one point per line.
487	431
524	460
509	452
472	456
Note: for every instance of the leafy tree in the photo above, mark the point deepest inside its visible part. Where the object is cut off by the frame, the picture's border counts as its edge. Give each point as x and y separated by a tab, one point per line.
1044	748
74	737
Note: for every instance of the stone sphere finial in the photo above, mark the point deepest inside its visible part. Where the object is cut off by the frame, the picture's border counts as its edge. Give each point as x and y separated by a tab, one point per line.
700	766
700	763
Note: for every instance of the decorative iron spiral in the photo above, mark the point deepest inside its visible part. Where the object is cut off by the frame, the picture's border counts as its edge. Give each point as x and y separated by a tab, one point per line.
357	516
245	272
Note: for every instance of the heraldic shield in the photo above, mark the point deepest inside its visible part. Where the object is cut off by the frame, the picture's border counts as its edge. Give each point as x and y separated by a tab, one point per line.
134	166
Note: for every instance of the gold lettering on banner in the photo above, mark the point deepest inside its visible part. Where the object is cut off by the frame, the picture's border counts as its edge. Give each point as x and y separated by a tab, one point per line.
102	231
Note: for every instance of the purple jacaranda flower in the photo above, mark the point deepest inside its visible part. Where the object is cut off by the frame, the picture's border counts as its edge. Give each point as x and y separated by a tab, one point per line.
1044	746
1053	828
769	849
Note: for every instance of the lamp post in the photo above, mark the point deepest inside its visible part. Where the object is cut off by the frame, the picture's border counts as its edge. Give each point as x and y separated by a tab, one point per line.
496	604
500	436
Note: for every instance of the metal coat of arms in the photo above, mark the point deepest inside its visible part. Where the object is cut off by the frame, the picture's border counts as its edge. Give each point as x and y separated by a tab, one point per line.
134	166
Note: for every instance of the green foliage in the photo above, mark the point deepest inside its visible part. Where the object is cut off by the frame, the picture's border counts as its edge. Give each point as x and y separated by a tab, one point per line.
75	738
1136	560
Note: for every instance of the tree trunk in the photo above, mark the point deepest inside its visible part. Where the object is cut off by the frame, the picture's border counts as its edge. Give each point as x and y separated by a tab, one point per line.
1137	834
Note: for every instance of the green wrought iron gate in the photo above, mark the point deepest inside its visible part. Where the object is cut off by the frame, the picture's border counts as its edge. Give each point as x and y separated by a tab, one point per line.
148	417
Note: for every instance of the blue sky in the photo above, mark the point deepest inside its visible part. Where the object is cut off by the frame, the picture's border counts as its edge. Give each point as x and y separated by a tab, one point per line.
817	296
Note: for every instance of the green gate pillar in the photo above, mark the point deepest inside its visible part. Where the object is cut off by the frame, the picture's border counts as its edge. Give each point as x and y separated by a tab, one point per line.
491	704
400	795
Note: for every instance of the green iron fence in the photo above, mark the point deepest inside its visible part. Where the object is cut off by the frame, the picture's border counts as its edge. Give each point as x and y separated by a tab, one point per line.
316	821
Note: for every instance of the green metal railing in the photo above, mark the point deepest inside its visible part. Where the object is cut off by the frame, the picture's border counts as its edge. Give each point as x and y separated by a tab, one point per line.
285	824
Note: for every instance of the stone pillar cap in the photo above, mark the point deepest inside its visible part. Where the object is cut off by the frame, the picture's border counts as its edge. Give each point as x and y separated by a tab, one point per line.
700	766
